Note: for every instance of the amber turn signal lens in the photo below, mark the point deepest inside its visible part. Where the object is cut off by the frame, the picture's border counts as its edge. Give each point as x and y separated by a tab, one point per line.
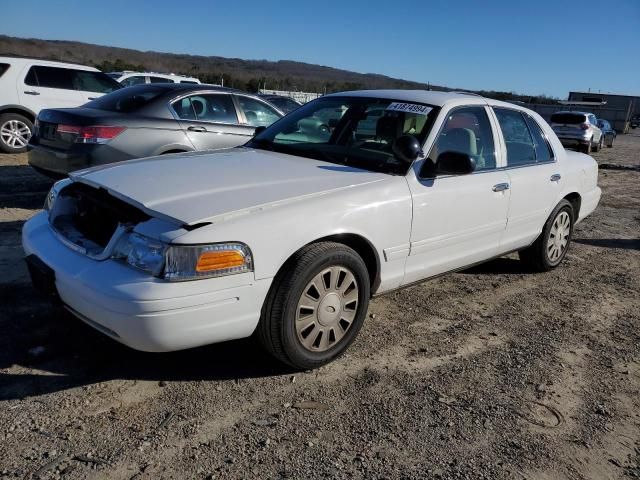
219	260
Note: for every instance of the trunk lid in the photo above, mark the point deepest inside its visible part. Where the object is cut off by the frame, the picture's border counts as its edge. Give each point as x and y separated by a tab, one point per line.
50	119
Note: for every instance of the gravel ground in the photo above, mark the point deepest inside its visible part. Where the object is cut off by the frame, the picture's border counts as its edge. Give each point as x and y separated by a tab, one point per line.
490	373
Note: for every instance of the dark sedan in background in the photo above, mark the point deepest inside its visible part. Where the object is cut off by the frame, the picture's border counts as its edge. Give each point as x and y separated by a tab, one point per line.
607	131
143	121
284	104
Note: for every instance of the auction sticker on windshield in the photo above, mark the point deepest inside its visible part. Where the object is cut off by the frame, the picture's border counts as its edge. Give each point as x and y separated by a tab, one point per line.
409	107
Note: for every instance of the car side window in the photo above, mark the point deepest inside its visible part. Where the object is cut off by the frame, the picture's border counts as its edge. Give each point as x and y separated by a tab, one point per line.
467	130
153	79
50	77
543	150
93	82
134	80
520	146
258	114
217	108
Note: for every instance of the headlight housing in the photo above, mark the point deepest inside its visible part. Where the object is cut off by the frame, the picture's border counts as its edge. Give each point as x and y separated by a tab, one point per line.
183	262
207	261
51	197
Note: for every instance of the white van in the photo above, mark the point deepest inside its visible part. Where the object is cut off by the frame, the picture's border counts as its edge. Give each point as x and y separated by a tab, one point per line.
128	78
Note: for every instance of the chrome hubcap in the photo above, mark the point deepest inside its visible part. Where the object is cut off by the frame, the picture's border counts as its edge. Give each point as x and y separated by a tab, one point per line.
559	236
15	133
326	309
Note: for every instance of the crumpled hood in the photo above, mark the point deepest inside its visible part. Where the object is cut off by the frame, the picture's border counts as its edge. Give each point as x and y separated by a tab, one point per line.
210	186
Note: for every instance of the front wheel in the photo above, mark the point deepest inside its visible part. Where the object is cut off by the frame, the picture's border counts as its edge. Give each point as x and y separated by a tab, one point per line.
552	245
316	305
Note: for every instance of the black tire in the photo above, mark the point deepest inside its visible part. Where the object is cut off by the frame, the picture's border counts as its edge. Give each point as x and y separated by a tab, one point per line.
277	329
586	148
7	143
536	257
597	146
610	145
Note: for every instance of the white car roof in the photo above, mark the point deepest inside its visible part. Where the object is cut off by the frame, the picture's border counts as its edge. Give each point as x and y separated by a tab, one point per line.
47	63
430	97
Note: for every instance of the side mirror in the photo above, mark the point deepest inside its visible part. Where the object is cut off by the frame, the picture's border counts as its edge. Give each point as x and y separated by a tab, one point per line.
407	148
259	130
454	163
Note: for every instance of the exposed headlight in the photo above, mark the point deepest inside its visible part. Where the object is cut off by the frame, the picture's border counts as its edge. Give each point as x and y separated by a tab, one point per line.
141	252
183	262
207	261
50	199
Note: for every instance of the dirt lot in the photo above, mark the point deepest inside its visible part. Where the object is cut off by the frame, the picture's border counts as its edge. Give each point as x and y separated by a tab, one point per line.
490	373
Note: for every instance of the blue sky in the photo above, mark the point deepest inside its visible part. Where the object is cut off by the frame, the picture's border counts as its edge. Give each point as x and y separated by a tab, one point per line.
532	47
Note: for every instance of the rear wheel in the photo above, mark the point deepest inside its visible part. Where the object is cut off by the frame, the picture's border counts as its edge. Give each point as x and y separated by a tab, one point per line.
551	246
586	148
610	144
15	132
316	305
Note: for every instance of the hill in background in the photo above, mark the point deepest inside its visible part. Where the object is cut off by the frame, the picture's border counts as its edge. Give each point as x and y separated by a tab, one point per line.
247	75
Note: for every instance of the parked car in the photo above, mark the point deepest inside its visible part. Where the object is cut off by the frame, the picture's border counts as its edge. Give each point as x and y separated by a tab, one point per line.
145	120
578	129
608	133
291	235
129	78
284	104
635	121
28	85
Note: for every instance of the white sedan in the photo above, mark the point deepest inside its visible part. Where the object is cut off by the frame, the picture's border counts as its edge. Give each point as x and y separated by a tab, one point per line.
352	195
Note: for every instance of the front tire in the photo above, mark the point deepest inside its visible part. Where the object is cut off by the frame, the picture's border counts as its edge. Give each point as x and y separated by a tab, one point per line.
316	306
550	248
15	132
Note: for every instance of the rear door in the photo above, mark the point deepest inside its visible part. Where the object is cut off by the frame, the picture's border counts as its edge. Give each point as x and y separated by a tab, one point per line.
48	87
210	120
534	177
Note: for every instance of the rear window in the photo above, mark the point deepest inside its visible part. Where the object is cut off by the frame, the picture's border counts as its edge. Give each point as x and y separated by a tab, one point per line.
128	99
570	118
3	68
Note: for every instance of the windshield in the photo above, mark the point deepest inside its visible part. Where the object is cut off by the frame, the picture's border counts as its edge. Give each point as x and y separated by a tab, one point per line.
357	131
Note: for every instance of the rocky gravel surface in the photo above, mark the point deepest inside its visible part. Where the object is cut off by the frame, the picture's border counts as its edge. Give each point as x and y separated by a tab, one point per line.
490	373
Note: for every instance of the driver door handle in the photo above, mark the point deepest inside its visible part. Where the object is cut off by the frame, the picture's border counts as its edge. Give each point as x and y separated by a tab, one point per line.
197	129
555	177
500	187
31	92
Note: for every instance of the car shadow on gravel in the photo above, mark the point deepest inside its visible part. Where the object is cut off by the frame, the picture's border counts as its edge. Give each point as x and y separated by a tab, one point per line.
22	187
620	243
45	350
502	265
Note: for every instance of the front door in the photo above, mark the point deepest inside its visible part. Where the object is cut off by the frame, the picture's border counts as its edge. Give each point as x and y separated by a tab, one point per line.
458	220
210	121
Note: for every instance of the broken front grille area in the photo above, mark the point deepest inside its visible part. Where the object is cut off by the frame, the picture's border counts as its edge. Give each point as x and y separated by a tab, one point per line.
87	218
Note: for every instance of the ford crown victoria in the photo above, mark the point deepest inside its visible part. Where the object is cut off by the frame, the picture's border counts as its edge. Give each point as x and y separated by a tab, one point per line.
350	196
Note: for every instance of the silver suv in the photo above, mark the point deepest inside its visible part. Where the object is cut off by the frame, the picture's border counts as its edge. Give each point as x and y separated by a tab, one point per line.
578	129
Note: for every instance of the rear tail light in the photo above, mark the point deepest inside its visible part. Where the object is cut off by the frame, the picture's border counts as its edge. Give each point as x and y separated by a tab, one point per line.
584	126
92	134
